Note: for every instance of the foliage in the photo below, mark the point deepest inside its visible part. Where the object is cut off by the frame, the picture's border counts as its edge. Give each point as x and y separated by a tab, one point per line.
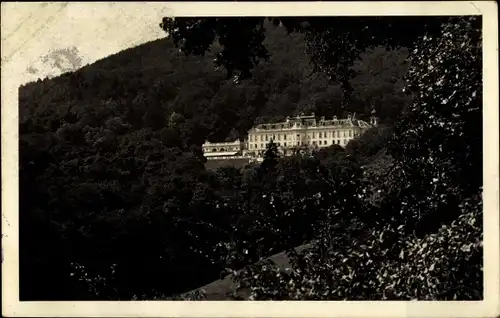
113	180
437	146
370	143
387	264
427	240
333	43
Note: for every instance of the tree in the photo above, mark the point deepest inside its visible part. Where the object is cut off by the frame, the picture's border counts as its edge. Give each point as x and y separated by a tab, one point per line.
430	215
333	43
364	147
271	156
267	170
437	145
382	264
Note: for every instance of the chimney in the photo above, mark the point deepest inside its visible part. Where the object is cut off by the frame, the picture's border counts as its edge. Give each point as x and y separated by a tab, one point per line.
322	118
353	115
334	117
349	116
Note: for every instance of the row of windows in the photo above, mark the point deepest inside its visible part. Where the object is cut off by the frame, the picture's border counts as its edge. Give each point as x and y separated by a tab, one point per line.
221	149
330	134
321	143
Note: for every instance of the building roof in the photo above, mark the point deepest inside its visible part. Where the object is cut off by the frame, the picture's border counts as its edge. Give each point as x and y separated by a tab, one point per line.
312	123
220	154
223	143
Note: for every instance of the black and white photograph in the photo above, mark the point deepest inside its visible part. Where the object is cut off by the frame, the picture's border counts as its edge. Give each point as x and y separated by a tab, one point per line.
254	156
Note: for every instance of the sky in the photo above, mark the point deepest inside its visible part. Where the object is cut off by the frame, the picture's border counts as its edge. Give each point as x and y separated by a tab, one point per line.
47	39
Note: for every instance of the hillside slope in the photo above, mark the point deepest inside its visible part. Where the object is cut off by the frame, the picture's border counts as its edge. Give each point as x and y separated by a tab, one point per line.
111	165
157	78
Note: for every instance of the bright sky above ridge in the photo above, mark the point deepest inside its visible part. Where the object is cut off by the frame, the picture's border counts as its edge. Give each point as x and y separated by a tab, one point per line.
37	35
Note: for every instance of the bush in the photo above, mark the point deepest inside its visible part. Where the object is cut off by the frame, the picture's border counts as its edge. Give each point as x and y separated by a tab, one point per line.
384	264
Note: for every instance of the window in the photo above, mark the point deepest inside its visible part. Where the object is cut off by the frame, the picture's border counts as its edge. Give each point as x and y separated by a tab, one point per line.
267	138
319	136
333	142
320	142
313	135
298	143
284	137
338	141
279	144
261	145
274	137
298	136
344	133
284	144
261	138
350	133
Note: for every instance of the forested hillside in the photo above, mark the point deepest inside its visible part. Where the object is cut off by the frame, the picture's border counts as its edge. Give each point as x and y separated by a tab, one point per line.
116	203
156	78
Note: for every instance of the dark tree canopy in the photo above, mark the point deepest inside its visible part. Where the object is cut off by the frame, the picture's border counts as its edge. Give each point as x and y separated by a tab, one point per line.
333	43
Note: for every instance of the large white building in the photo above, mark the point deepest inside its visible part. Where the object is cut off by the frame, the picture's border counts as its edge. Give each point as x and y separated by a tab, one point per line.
295	133
306	131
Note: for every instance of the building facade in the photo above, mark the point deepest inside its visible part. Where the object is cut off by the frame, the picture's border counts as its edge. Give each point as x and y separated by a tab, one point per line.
296	133
222	150
306	132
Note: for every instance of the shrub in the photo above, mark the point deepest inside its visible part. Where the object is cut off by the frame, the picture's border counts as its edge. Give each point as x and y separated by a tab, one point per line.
384	264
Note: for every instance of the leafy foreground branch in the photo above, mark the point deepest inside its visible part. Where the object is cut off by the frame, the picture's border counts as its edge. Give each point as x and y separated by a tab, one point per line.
429	268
